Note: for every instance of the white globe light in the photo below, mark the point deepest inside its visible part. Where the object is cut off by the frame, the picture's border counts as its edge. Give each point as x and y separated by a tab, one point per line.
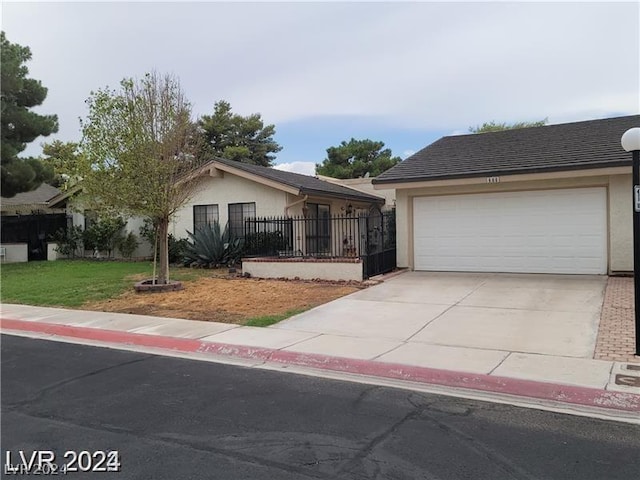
631	139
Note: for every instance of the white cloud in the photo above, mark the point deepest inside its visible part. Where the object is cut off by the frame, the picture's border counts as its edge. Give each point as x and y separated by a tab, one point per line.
407	153
443	65
305	168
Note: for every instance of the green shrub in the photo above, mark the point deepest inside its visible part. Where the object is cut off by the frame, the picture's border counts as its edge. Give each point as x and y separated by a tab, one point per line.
177	246
127	244
104	234
265	243
177	249
69	240
210	247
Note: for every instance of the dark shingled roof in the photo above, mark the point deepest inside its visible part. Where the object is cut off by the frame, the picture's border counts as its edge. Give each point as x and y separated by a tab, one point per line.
42	195
568	146
307	184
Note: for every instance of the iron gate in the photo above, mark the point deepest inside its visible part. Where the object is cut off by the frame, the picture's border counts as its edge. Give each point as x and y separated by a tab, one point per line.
379	251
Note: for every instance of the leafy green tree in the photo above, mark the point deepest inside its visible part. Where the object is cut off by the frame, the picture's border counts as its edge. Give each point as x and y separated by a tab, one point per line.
357	158
493	126
244	139
141	147
19	125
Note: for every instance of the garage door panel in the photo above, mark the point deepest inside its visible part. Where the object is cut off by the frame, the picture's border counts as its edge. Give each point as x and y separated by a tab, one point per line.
554	231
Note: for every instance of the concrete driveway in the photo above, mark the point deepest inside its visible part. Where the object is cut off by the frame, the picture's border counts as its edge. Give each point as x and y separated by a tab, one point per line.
488	314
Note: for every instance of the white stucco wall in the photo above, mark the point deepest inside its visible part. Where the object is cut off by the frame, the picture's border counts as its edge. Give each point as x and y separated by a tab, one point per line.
144	249
52	251
228	189
15	252
335	271
619	211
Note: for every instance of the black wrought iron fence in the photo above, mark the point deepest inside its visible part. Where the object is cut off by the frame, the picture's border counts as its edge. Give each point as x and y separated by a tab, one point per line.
325	236
369	237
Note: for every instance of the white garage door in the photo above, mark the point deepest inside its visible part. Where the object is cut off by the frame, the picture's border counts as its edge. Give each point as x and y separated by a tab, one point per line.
550	231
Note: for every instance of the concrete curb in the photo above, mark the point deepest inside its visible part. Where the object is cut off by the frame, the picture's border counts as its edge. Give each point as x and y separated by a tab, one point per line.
566	394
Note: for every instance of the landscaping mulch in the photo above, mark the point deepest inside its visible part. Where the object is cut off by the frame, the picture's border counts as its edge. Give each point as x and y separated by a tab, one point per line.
228	300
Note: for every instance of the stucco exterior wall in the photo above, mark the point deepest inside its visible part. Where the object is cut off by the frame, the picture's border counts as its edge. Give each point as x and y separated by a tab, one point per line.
270	202
364	185
620	224
404	230
15	252
52	251
619	211
144	250
224	190
305	270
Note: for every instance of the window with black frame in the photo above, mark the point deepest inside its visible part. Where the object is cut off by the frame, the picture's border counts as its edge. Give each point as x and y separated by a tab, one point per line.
238	213
318	229
204	215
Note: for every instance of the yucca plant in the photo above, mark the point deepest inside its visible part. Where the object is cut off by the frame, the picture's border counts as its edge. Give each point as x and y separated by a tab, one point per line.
210	247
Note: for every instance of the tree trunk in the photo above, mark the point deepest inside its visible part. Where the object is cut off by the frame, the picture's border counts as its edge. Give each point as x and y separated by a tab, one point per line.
163	257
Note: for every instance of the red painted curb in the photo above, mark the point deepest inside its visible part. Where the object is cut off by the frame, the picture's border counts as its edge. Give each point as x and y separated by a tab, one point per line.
487	383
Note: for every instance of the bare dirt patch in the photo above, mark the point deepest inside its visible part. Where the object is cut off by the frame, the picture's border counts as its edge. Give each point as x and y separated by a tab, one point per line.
229	300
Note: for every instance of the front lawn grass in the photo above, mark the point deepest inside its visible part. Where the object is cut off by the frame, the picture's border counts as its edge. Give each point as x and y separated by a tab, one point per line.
71	283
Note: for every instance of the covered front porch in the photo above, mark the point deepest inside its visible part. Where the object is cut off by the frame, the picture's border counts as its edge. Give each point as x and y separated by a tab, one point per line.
320	246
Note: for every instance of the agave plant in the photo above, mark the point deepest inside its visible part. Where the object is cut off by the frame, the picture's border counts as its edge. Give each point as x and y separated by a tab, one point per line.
211	247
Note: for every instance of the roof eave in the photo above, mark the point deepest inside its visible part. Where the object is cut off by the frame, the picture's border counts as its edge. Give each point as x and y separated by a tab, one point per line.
64	195
497	173
345	196
279	185
292	188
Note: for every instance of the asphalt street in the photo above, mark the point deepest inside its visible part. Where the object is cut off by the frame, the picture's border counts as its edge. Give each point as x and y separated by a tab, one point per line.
171	418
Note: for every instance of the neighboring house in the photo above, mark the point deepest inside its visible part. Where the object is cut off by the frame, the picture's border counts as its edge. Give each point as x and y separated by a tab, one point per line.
552	199
30	219
27	221
231	192
364	184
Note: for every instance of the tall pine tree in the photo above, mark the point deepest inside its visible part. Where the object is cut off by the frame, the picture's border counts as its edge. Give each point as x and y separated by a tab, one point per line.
21	126
244	139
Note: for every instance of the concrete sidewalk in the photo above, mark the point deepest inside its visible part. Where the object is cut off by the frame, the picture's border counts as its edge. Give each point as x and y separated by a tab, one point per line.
565	380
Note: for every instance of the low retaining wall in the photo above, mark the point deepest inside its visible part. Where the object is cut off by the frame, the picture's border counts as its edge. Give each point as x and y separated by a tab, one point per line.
52	252
14	252
304	268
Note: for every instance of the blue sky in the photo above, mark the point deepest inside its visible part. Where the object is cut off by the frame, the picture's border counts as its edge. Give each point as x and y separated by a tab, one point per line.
402	73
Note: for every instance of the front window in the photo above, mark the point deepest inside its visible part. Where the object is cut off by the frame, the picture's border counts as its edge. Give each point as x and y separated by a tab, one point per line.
238	213
204	215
